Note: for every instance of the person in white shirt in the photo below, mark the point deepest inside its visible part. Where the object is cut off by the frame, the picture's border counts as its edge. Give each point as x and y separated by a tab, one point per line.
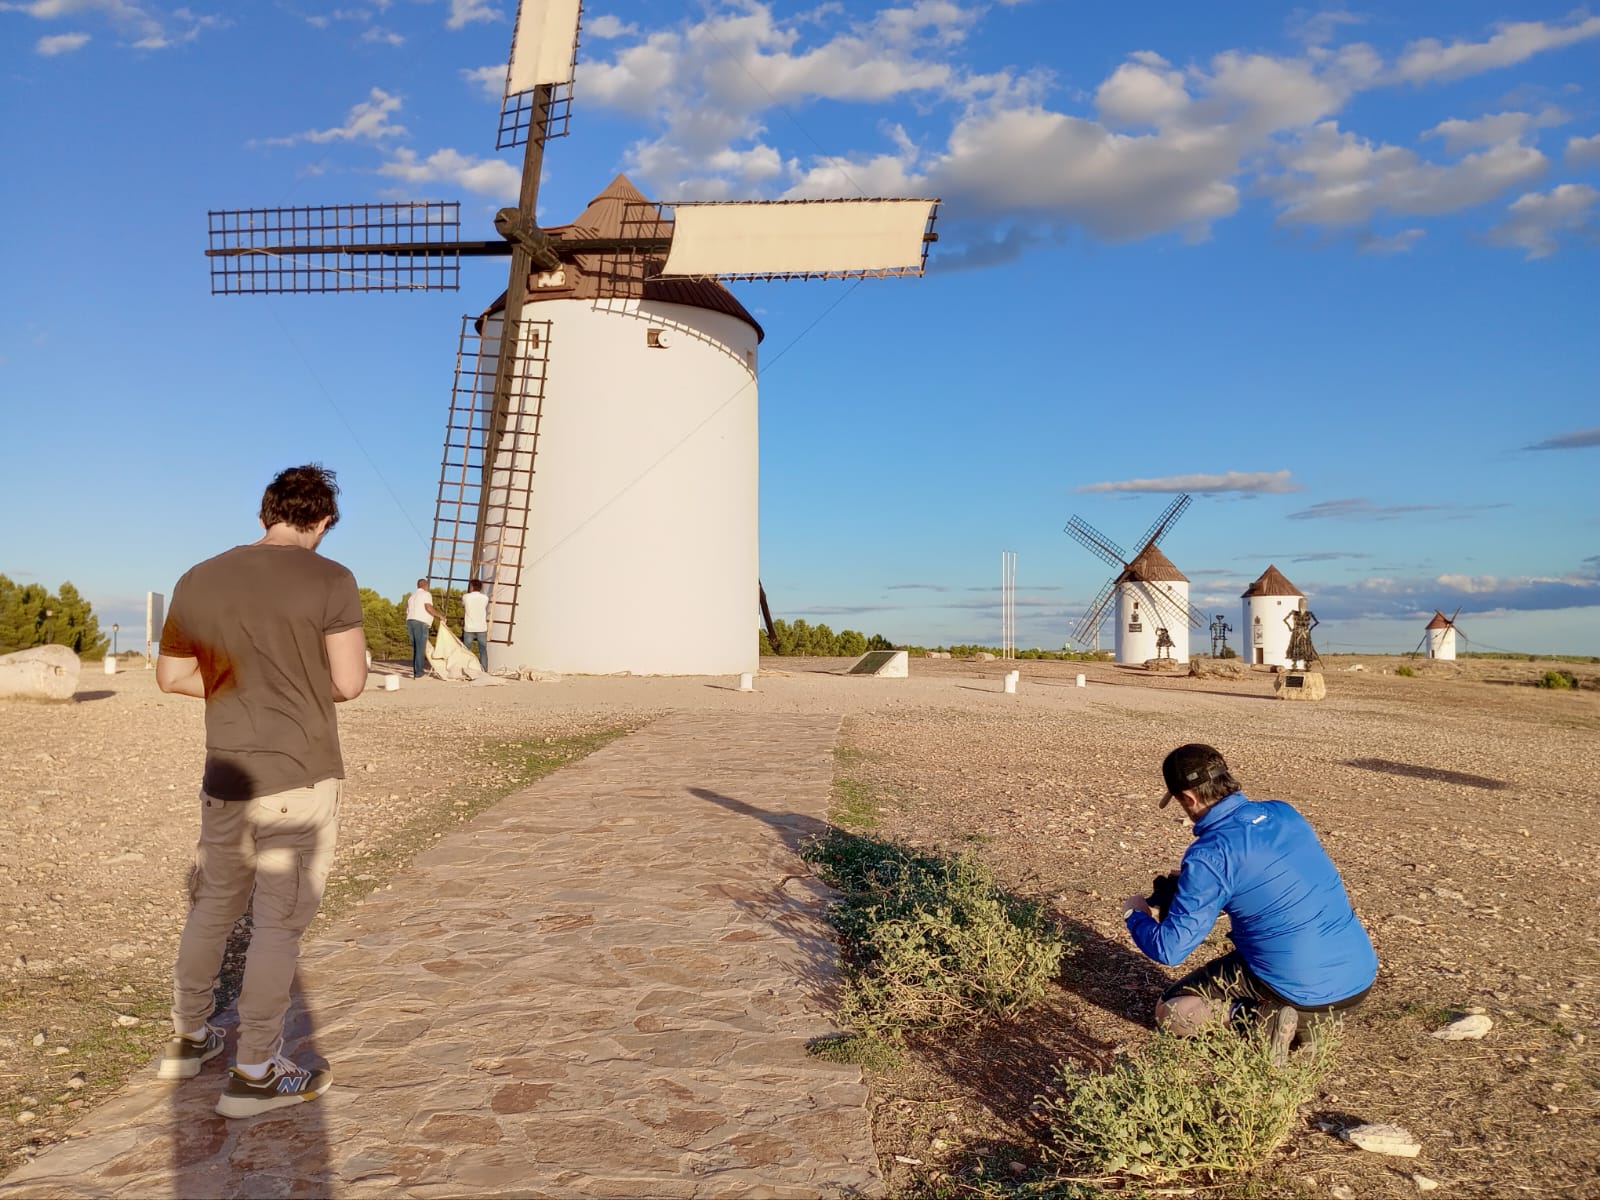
420	616
475	621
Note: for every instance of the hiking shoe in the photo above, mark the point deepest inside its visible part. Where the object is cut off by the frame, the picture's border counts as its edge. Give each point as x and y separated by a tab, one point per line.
184	1055
284	1083
1281	1027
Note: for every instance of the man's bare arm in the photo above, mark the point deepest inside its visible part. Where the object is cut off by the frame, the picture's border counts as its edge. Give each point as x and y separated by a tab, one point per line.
180	676
347	662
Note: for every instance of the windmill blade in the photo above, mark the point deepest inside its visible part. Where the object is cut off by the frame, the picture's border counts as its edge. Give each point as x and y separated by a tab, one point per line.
1171	606
405	247
544	54
1090	622
801	239
1096	542
1165	521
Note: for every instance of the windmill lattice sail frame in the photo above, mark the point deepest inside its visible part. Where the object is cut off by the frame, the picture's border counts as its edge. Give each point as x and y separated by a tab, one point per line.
380	247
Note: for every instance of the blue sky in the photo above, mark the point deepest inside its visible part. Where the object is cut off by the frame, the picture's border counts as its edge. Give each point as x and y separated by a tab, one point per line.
1333	272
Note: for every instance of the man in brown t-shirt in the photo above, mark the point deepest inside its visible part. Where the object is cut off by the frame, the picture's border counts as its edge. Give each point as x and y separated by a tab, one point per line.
269	635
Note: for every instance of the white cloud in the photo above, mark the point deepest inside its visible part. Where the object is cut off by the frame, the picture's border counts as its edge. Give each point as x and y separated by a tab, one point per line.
1335	178
1394	243
1146	91
145	29
61	43
490	80
1258	482
1318	28
465	12
606	27
486	176
368	121
384	37
1490	130
1430	59
1583	152
1537	221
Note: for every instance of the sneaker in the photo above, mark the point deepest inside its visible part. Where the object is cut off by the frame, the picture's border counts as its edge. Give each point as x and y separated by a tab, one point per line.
184	1055
284	1083
1281	1027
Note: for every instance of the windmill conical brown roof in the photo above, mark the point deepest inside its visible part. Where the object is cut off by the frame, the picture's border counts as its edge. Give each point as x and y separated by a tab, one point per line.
1152	566
622	210
1440	621
1271	583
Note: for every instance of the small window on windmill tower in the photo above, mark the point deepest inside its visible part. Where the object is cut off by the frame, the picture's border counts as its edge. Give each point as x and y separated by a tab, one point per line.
656	339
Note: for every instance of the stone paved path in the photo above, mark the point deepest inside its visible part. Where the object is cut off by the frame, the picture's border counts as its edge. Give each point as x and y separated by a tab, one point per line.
601	987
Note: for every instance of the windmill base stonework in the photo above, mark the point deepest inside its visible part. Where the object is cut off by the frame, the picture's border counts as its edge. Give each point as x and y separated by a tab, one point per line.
1299	685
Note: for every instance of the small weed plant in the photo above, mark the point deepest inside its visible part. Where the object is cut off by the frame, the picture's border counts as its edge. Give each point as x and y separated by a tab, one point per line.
1195	1108
929	942
1408	672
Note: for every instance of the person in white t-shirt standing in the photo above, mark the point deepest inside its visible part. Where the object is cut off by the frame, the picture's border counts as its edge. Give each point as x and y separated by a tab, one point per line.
420	616
475	621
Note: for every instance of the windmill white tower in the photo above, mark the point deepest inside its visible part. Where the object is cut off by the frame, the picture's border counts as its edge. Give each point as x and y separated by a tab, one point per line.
1267	602
1152	595
1440	636
600	457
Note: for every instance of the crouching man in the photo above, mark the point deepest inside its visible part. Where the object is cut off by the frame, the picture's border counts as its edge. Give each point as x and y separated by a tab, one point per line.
1301	955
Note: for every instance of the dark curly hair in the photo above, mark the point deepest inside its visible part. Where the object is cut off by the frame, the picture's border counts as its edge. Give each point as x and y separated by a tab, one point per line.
300	497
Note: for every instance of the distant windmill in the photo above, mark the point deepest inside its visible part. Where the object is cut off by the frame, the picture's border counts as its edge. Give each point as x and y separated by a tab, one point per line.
1152	595
1266	602
1440	636
634	387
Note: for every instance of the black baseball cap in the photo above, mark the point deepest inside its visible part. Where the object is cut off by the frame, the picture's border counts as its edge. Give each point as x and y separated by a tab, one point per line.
1189	766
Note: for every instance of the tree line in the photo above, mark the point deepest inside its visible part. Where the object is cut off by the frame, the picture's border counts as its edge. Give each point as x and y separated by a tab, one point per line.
30	616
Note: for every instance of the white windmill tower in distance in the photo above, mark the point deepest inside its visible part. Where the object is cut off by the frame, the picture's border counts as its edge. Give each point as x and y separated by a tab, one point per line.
1440	636
1152	595
1267	602
600	461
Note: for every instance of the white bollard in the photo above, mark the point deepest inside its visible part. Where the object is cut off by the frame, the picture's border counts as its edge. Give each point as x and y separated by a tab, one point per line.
747	682
111	665
1080	681
1011	682
391	683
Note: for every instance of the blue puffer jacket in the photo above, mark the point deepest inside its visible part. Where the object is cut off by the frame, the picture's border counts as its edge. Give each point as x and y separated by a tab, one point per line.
1261	863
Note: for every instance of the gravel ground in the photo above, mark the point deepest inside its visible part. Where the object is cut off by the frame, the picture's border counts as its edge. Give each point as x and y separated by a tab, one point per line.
1455	802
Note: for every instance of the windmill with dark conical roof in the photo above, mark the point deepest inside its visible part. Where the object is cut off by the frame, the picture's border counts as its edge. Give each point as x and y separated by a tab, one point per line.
615	359
1440	636
1267	602
1151	594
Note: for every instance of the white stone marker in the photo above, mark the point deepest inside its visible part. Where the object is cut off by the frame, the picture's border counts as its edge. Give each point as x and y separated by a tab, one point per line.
391	683
1081	681
111	664
1011	682
747	682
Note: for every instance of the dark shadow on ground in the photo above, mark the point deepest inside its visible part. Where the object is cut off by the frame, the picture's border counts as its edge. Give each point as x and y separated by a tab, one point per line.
80	697
1111	975
796	829
1432	774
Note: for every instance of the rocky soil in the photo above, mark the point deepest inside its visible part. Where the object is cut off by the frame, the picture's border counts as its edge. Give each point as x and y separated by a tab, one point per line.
1457	802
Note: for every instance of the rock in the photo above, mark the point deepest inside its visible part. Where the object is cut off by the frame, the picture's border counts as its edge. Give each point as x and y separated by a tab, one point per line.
1383	1139
1161	664
1339	1192
1017	1169
1423	1183
38	1038
126	1021
42	673
77	1080
1217	668
1468	1028
983	656
1300	685
27	1118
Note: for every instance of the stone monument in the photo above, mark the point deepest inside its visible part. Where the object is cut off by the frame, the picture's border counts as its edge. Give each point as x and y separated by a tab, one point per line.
41	673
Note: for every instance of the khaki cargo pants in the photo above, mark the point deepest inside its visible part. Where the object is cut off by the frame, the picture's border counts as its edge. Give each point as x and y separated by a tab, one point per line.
279	847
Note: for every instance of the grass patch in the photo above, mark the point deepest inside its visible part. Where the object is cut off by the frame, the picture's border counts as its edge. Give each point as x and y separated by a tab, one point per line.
873	1053
1196	1108
929	942
1560	681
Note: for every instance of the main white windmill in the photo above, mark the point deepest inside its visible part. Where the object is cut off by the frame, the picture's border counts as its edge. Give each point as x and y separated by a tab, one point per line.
1152	595
600	462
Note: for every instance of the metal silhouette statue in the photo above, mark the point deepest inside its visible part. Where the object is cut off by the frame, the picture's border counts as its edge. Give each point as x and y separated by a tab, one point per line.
1219	637
1163	642
1301	653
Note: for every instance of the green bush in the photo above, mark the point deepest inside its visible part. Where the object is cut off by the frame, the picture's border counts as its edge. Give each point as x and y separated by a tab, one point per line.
1559	680
1406	671
930	942
1205	1106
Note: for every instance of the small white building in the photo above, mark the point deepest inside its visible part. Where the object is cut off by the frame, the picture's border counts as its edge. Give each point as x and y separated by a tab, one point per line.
1141	614
1267	602
1441	637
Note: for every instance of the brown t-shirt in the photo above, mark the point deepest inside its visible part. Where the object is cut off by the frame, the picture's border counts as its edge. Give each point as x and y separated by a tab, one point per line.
255	617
